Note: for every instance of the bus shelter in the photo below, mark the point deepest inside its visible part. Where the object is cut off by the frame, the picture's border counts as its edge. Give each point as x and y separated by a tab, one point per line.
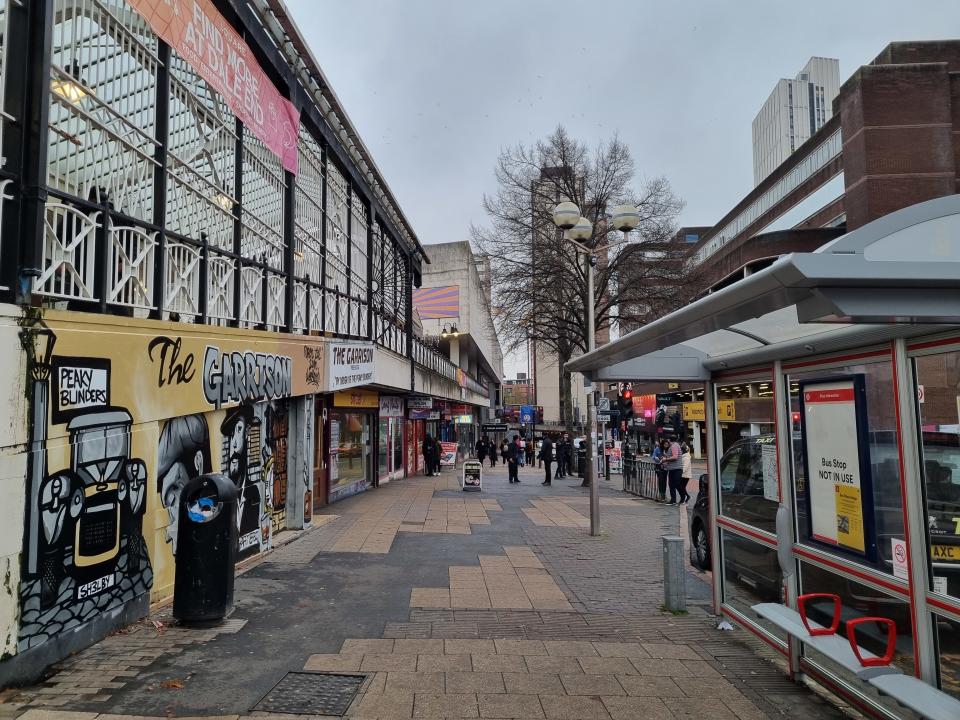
832	391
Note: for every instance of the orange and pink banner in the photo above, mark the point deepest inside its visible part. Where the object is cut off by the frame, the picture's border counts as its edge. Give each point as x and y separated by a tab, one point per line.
437	302
196	30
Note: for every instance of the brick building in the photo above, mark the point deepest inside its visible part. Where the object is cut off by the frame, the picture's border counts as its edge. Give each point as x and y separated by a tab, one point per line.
893	141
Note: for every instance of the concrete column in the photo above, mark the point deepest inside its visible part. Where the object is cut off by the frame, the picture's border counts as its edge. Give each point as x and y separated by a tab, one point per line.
674	574
697	450
455	351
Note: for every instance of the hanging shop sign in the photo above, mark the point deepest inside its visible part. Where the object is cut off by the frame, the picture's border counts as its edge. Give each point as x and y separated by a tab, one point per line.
424	415
836	457
693	411
391	406
199	33
351	364
369	399
726	410
420	402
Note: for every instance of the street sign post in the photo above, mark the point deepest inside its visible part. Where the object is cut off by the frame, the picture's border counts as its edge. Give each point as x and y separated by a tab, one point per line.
603	404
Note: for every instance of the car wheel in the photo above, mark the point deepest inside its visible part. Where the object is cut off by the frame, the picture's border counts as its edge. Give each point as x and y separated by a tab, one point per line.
701	548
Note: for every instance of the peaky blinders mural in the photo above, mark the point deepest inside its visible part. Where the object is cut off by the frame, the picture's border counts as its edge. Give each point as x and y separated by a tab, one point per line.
116	430
84	551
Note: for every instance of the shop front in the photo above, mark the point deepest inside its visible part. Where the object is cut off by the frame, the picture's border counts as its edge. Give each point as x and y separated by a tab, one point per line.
423	418
390	439
832	385
350	421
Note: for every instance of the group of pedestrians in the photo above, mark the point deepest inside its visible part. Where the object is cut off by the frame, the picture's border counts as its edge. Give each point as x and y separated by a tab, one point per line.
486	449
674	470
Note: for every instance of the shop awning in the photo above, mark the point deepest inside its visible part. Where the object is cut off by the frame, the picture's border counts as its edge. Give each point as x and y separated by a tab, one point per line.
895	277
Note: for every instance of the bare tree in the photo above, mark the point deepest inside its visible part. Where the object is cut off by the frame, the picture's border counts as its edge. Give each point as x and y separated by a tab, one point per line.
539	280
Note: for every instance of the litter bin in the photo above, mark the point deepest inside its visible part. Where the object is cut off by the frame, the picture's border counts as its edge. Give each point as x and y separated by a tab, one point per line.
206	549
581	459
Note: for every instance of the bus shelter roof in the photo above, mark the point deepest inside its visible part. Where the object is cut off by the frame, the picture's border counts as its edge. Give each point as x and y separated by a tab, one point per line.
898	276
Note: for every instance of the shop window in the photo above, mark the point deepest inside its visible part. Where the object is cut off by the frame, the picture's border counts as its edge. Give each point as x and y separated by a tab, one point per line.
948	644
858	601
751	575
748	469
939	379
880	507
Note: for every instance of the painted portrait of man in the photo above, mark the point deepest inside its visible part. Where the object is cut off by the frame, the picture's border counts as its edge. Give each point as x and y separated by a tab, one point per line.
183	453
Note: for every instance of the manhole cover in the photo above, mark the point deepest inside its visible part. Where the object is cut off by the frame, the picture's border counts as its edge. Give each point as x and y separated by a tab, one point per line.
304	693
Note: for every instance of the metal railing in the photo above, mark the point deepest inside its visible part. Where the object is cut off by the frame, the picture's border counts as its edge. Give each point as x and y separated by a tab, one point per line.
640	477
427	357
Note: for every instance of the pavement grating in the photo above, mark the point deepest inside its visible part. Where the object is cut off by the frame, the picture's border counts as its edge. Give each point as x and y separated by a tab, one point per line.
312	693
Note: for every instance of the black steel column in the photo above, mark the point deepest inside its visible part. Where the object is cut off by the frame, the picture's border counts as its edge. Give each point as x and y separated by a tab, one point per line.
161	129
322	280
237	230
289	237
370	240
349	231
29	36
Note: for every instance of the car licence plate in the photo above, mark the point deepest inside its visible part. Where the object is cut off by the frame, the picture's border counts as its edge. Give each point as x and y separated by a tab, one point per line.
945	552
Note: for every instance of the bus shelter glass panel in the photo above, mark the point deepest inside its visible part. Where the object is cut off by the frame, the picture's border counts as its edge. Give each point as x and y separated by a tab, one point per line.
751	575
938	377
872	452
859	601
749	488
948	643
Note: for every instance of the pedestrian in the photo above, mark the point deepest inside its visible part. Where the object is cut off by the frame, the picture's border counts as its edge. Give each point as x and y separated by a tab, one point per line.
437	451
687	473
561	456
523	452
660	471
504	450
531	447
482	449
427	448
513	453
673	464
546	457
492	451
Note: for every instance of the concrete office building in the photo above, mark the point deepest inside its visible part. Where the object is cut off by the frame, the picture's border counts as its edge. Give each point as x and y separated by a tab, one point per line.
795	110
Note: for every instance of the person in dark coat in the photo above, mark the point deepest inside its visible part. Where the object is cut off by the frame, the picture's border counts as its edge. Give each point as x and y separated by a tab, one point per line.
512	454
437	451
546	456
427	449
492	452
482	446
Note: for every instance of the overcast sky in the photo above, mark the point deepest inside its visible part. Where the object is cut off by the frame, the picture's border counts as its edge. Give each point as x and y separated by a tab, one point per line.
437	87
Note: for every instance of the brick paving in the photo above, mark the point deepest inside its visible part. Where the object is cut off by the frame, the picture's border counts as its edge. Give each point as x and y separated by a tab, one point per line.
596	646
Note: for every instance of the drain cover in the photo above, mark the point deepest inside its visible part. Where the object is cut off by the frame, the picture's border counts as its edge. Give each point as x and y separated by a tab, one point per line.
304	693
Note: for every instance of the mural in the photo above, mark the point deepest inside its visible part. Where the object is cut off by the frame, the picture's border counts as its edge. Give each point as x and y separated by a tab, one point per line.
111	421
84	551
183	453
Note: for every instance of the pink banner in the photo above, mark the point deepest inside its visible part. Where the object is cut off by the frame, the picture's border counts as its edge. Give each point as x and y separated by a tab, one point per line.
196	30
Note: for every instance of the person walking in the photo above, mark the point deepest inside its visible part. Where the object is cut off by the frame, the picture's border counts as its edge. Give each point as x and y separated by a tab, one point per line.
427	448
660	471
563	452
687	474
523	451
504	450
512	456
437	450
673	464
546	457
481	449
492	451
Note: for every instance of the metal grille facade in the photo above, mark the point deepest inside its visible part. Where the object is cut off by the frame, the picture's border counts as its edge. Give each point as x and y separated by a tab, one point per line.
157	202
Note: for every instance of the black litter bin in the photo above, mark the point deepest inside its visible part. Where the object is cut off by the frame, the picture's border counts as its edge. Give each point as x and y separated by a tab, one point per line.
582	460
206	549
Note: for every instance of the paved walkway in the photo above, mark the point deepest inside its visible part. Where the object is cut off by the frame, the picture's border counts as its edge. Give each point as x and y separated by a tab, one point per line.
490	605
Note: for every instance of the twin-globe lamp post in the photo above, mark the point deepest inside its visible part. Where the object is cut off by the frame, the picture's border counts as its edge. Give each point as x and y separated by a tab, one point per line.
578	230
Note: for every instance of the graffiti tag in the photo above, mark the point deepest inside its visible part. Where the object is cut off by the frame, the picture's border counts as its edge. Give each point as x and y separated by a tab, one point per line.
314	357
172	370
245	376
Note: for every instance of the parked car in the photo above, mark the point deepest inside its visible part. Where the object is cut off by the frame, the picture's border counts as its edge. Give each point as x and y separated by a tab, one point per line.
741	486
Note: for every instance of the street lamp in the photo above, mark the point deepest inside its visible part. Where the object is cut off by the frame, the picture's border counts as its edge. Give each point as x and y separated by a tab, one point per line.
579	230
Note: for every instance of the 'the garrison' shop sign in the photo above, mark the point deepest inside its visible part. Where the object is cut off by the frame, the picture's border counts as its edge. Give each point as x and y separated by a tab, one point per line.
351	364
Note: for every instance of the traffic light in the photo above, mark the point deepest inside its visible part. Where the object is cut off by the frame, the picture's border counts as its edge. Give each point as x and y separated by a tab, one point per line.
625	402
